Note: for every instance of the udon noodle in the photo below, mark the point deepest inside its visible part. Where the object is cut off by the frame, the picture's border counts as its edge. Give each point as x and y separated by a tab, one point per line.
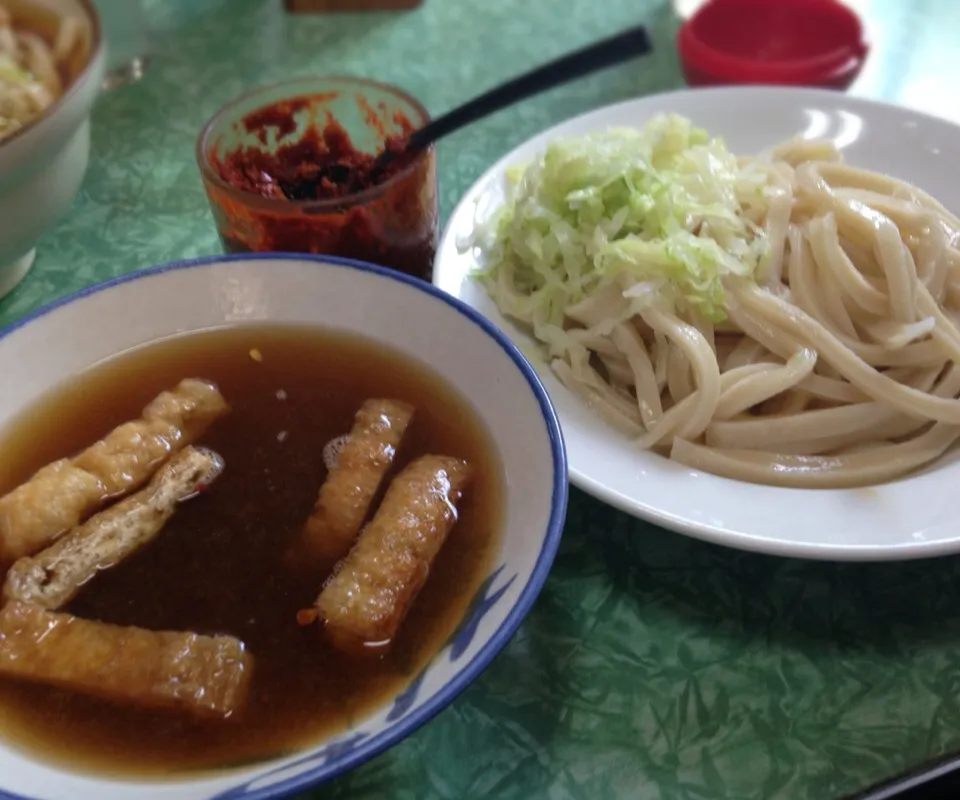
838	366
31	69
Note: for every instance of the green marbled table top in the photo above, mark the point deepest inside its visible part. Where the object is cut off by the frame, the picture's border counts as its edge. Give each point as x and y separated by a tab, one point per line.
652	665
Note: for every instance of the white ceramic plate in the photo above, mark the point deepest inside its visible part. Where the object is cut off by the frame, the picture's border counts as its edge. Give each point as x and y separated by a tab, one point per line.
910	518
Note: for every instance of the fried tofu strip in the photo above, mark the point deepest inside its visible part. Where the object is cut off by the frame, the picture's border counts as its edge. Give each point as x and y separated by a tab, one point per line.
207	676
61	495
353	480
126	458
53	577
364	602
53	500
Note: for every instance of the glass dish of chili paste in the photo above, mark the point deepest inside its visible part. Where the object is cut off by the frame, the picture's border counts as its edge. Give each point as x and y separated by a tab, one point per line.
289	167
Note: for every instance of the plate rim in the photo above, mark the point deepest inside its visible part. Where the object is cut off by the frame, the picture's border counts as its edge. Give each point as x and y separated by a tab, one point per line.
705	531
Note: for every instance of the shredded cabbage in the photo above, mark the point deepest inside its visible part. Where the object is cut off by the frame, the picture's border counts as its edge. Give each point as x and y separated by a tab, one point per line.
659	211
11	73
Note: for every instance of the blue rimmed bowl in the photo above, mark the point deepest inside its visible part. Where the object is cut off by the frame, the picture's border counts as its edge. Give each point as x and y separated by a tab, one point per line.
42	350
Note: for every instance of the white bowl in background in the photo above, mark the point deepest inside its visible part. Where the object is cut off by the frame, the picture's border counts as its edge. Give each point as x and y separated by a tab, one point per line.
39	352
42	165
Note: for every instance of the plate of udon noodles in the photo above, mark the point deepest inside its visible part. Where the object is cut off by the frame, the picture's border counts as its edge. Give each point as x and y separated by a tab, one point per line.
745	304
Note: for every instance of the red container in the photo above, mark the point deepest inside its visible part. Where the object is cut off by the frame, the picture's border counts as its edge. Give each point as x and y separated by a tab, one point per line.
252	152
787	42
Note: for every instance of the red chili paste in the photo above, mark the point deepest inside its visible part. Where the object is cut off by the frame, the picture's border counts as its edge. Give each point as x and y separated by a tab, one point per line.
395	226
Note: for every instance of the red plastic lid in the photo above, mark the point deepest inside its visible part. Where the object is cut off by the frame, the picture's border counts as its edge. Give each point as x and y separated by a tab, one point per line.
799	42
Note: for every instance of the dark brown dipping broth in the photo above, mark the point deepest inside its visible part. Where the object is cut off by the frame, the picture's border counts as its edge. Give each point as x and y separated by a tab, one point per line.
217	568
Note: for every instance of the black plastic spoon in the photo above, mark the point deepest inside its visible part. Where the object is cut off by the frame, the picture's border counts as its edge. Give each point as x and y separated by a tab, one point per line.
605	53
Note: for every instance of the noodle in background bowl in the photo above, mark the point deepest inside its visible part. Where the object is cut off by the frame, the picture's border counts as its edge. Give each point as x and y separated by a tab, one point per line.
43	163
906	518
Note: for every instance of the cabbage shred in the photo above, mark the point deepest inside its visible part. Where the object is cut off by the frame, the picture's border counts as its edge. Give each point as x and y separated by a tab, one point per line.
660	211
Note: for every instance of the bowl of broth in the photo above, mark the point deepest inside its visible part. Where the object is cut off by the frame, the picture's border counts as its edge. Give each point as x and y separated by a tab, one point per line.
261	516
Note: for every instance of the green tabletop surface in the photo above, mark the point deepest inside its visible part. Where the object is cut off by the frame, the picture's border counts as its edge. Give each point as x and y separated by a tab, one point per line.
652	665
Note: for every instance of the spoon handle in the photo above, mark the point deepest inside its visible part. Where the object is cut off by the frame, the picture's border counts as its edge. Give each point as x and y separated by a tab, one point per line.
629	44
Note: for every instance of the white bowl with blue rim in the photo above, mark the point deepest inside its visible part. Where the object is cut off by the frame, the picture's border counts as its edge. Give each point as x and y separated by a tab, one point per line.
39	352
